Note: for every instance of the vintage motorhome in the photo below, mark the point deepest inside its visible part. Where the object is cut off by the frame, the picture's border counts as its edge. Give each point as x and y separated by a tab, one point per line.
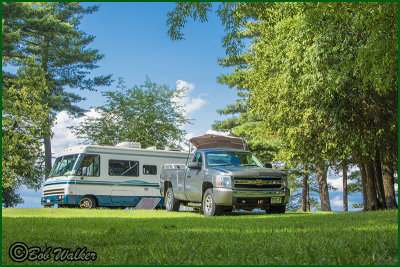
94	176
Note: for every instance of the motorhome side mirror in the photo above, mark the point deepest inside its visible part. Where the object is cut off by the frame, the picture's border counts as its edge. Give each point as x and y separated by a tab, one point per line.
267	165
84	171
194	165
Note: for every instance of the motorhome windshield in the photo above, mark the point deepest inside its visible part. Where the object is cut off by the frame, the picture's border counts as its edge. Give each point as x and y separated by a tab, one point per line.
64	165
224	158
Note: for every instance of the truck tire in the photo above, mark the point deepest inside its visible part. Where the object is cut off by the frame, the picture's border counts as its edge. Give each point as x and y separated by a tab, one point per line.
277	209
88	202
171	204
209	206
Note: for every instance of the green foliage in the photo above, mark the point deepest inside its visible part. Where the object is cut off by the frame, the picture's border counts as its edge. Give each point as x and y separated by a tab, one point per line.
49	31
178	17
354	182
160	237
145	114
44	41
23	115
318	79
10	197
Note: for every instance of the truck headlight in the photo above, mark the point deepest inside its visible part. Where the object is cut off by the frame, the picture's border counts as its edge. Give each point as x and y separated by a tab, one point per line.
223	181
285	181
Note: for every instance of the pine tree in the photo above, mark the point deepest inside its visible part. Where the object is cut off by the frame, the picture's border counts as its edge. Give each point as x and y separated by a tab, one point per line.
49	32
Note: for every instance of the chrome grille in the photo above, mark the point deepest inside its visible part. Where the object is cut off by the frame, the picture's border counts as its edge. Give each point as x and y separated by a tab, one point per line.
257	183
56	191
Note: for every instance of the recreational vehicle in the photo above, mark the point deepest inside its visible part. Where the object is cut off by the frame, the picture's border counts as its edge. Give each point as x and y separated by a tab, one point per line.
98	176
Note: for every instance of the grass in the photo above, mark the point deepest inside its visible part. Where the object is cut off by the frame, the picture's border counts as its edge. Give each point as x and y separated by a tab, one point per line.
160	237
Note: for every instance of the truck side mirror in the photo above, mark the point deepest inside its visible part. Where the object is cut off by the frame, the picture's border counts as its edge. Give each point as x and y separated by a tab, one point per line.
267	165
84	171
194	165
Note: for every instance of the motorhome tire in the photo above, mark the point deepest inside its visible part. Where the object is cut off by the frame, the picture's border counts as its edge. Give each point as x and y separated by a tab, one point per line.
88	202
171	204
209	206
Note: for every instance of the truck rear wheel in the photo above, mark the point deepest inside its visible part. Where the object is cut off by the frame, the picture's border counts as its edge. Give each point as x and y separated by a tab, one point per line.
171	204
209	206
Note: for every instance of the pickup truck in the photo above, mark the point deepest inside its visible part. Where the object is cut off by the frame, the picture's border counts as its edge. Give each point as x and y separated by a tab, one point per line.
219	179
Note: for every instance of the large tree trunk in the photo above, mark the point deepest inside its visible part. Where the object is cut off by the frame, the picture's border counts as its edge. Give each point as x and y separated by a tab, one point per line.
345	203
323	187
47	154
372	202
364	184
379	183
304	190
308	198
47	137
388	184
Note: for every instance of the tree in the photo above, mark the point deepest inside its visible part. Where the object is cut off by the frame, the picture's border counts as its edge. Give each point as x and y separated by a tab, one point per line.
23	118
10	198
321	80
49	33
250	20
145	114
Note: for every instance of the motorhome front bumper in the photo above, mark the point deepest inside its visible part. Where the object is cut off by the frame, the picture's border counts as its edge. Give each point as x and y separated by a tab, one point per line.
55	199
229	197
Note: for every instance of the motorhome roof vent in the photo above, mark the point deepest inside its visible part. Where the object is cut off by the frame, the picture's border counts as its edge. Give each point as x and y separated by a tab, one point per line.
129	144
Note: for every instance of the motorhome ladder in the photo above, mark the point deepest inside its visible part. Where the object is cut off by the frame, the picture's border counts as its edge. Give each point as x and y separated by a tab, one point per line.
147	203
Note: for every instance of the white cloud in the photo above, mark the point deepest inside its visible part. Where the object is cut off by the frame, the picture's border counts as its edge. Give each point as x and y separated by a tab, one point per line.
337	202
189	103
336	182
217	132
63	137
336	179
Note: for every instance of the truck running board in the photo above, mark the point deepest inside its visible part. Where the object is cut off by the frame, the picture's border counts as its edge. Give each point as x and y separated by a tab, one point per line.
147	203
196	205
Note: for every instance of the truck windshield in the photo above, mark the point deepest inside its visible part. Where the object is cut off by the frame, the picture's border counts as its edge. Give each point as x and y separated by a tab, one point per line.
64	165
233	158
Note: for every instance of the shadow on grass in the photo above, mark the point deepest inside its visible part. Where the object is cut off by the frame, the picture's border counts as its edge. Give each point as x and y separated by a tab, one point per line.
240	238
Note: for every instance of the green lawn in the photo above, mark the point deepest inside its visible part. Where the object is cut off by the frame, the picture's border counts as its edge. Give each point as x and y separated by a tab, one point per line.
160	237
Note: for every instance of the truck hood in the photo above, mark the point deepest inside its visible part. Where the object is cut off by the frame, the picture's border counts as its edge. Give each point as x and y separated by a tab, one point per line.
208	141
248	171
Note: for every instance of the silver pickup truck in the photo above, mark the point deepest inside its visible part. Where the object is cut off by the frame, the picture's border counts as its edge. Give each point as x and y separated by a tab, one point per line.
220	179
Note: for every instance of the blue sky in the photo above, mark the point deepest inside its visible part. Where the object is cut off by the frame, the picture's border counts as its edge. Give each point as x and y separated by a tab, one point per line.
133	37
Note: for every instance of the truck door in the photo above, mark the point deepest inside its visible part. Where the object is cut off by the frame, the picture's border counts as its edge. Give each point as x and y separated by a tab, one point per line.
194	180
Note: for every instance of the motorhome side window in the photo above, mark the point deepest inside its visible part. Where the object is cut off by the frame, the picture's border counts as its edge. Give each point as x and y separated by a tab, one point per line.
123	168
150	169
92	163
198	158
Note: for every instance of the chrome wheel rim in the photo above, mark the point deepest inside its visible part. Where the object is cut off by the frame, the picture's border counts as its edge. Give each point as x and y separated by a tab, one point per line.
86	203
208	204
169	200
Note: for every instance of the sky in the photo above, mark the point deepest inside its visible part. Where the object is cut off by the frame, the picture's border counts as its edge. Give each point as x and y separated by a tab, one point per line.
133	37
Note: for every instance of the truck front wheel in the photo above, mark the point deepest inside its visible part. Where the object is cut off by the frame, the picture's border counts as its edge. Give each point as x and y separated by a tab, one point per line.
209	206
171	204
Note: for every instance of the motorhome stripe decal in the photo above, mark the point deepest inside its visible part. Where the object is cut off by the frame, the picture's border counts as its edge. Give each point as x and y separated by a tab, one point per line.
141	155
109	183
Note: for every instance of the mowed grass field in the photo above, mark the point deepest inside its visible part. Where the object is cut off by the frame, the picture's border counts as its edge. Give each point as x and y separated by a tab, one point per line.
160	237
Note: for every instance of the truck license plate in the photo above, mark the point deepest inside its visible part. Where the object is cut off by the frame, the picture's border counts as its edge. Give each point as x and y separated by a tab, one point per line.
276	200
